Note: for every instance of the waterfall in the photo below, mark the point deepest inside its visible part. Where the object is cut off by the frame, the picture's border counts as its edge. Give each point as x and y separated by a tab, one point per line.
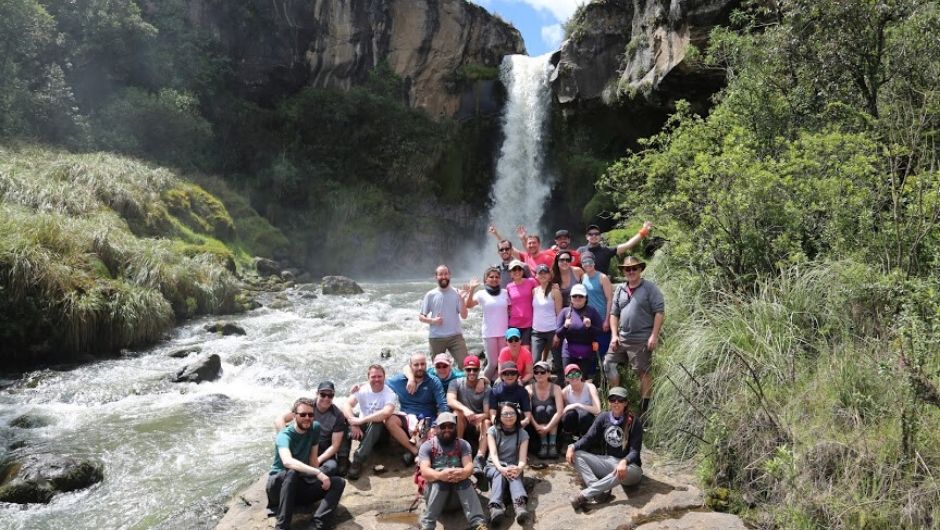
521	187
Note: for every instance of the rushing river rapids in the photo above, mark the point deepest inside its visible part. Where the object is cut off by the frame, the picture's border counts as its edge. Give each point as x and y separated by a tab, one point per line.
173	454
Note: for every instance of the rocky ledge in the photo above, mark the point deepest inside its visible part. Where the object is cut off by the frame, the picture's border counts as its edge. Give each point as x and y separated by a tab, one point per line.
665	499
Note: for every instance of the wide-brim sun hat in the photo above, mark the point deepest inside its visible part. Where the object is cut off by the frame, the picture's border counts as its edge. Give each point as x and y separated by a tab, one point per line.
631	261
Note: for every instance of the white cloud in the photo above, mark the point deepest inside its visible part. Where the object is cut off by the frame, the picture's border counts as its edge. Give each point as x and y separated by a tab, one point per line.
560	9
552	35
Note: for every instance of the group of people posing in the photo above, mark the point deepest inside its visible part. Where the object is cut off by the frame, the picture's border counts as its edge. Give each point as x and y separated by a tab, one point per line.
552	322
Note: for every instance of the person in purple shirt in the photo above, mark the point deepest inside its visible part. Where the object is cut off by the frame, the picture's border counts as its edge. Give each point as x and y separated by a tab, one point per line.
577	327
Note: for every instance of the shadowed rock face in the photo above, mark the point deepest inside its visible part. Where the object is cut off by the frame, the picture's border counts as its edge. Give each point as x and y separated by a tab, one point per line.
37	478
280	46
638	47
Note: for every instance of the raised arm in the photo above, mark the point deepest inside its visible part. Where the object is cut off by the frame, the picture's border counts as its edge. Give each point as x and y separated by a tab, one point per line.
516	253
633	241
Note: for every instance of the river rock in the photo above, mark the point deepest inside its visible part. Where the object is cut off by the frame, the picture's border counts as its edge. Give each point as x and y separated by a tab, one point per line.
29	421
37	478
184	352
339	285
267	267
207	368
225	328
377	502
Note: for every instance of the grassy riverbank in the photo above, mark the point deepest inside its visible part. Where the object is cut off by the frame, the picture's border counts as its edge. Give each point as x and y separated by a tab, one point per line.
100	252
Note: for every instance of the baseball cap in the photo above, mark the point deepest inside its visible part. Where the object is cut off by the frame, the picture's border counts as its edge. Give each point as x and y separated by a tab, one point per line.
542	268
326	385
593	227
544	365
578	289
443	358
513	332
562	233
516	263
471	361
446	417
508	366
572	368
618	391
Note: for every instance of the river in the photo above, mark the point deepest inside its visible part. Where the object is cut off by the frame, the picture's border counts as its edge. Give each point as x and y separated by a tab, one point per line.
173	454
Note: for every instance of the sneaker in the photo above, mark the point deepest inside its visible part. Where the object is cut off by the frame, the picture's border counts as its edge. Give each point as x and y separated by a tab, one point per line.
270	512
543	451
355	470
552	451
522	514
603	497
408	458
578	502
497	513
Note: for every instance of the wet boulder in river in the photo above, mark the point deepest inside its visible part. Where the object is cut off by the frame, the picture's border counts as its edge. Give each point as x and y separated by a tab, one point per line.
206	368
339	285
225	328
37	478
267	267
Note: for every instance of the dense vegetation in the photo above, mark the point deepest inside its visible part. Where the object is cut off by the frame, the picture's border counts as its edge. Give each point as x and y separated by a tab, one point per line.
340	172
801	367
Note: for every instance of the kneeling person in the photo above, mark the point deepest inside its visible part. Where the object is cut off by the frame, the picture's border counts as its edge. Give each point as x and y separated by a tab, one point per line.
294	476
619	437
446	465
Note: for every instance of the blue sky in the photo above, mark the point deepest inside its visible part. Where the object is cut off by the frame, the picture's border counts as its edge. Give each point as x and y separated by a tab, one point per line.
539	21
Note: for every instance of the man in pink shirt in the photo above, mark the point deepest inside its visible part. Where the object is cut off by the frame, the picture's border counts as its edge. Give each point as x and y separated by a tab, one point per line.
518	354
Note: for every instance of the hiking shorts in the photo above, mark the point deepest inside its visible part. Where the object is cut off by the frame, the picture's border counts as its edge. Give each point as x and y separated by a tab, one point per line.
637	354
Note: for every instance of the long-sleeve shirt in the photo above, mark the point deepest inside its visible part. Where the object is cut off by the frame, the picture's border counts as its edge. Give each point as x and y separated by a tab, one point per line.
578	339
428	400
607	437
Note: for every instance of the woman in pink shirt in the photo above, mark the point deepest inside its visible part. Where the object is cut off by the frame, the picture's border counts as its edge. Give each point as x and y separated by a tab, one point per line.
520	300
518	354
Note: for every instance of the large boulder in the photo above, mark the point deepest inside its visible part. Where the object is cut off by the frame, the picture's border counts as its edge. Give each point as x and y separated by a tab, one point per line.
29	421
206	368
225	328
267	267
339	285
37	478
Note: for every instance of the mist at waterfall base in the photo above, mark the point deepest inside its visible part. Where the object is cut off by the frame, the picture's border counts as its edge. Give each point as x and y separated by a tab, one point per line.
174	454
522	185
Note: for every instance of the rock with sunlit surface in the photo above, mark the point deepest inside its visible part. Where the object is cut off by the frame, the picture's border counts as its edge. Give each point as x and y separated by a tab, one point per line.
38	478
225	328
206	368
339	285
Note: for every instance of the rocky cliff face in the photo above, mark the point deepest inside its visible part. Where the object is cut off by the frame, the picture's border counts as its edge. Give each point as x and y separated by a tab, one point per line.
431	44
638	47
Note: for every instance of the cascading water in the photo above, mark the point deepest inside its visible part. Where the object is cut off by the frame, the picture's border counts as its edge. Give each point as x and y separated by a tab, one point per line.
521	187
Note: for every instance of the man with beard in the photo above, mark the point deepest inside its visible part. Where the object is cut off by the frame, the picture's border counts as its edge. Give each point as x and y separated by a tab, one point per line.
506	254
442	309
563	242
469	398
333	453
446	466
423	404
294	476
377	403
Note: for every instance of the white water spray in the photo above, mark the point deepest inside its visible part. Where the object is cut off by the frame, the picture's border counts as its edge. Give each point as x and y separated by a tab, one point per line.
521	187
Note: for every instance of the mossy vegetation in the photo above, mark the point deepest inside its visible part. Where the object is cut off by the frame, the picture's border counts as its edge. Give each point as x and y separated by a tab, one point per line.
101	252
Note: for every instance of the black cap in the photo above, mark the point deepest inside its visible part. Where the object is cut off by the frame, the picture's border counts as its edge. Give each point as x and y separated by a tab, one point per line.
593	227
562	233
326	385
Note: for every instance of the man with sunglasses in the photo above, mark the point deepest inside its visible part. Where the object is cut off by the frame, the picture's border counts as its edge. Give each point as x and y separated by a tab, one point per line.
506	255
334	446
636	318
423	404
609	454
445	464
295	477
602	253
508	390
469	398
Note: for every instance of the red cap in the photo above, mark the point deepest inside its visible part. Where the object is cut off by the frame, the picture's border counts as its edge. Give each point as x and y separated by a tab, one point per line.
471	361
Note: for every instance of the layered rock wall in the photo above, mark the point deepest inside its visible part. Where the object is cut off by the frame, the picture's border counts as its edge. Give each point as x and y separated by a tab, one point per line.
638	47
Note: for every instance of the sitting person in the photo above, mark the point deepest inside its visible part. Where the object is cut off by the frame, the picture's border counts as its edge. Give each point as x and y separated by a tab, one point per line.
509	443
294	477
377	403
619	437
581	403
333	450
446	465
469	398
547	404
419	406
508	390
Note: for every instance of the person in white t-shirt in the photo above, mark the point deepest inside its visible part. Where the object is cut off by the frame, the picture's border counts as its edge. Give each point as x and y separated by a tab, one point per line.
495	303
377	404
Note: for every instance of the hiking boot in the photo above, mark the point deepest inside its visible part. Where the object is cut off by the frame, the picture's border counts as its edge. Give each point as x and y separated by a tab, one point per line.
408	458
604	497
552	451
543	451
355	470
342	467
578	502
497	513
522	514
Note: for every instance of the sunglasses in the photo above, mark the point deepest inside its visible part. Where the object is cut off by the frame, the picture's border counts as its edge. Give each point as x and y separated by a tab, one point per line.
539	372
511	374
573	375
513	339
447	426
471	370
593	234
564	260
505	249
630	269
616	400
587	262
326	395
441	366
304	414
577	296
